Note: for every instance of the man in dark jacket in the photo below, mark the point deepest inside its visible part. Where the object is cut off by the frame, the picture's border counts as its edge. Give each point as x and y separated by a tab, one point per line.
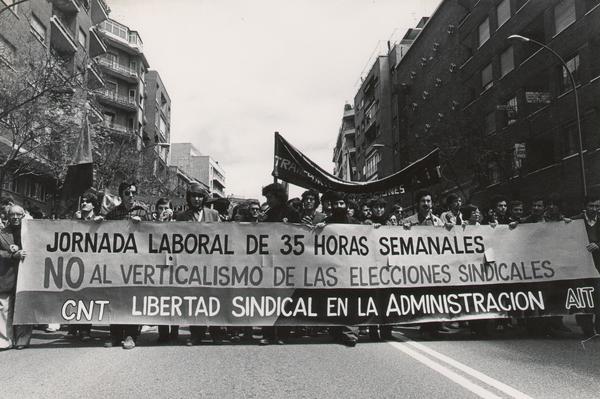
339	215
129	209
591	217
310	203
196	196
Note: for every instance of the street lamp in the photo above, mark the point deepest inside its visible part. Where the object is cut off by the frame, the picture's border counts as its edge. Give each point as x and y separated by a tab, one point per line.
572	80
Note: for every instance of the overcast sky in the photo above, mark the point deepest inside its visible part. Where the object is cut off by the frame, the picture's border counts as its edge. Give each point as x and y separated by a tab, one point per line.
238	70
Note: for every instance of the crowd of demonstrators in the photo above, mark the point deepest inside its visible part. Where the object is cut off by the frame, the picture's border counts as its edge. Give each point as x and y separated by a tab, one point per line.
311	208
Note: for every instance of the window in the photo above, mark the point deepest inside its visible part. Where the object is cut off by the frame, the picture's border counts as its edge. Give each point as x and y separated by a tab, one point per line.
132	95
489	123
573	65
493	172
484	32
163	126
512	110
564	15
569	143
115	29
37	28
503	12
371	164
486	77
112	58
507	61
81	37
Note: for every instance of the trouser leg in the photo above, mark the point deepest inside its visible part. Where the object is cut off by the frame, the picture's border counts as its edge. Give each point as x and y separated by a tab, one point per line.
22	334
6	330
197	332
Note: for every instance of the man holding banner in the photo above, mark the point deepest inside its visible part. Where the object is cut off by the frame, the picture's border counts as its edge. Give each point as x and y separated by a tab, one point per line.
126	334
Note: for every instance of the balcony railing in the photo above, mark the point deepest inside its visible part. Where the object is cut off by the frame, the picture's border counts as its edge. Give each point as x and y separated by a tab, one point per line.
61	38
100	11
119	129
116	67
69	6
117	98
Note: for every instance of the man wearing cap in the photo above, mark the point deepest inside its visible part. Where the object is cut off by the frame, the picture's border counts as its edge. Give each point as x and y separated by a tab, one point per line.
195	197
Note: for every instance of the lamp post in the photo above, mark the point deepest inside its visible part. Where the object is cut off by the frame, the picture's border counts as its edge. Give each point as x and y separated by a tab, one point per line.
572	80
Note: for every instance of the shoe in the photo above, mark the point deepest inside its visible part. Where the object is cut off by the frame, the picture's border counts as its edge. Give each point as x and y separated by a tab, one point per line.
50	329
235	338
110	344
19	347
85	336
129	343
279	342
217	341
350	342
264	341
162	340
193	342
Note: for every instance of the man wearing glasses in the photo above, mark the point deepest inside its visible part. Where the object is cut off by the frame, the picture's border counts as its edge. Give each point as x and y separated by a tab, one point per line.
129	209
197	212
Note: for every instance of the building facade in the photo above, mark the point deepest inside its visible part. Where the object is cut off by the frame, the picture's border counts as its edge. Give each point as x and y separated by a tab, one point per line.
198	166
344	153
124	68
501	111
40	31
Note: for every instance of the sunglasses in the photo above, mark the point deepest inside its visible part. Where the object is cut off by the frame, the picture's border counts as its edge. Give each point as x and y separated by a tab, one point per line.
85	201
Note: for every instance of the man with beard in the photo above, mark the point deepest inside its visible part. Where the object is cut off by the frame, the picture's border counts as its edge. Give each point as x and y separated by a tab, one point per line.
195	197
591	216
310	203
339	214
365	214
425	217
128	209
11	254
278	211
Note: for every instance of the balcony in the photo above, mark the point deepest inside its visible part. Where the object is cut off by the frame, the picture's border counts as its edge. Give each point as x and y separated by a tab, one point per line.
119	130
95	80
68	6
118	100
99	11
97	46
120	35
114	68
61	40
349	132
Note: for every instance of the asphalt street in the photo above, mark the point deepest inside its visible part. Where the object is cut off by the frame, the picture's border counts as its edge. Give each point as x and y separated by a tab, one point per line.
457	365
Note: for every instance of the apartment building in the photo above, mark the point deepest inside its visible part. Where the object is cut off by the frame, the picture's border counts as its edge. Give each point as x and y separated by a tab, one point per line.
61	30
124	67
344	153
199	166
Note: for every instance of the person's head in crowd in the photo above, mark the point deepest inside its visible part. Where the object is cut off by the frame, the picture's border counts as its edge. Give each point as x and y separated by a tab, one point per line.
398	212
164	209
538	205
4	213
195	196
352	208
500	206
516	209
295	204
424	202
16	214
378	207
89	204
310	201
254	212
365	212
453	202
326	203
276	195
237	213
471	214
592	206
553	207
127	191
338	204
